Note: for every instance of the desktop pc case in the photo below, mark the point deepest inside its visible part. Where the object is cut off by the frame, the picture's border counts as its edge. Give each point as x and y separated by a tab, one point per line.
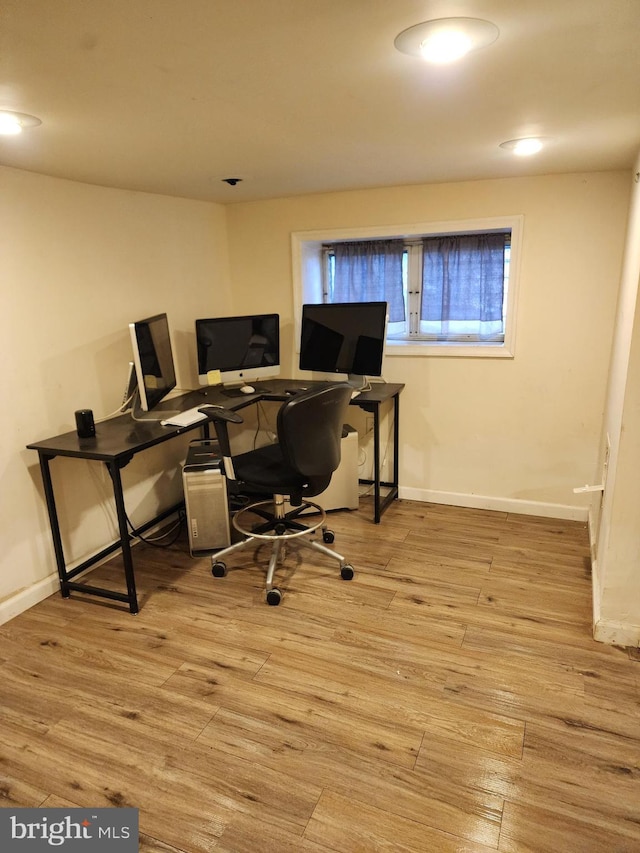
343	492
205	497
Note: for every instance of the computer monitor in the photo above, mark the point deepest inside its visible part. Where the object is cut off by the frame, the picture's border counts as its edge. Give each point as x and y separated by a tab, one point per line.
344	337
153	360
238	350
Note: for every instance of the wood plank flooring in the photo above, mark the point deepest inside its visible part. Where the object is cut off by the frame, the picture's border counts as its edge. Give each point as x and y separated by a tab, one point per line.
449	698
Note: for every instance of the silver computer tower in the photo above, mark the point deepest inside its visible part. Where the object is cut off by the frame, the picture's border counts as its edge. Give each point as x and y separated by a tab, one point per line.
205	497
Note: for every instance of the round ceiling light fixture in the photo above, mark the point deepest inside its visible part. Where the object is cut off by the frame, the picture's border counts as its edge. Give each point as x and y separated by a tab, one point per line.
526	146
445	40
11	123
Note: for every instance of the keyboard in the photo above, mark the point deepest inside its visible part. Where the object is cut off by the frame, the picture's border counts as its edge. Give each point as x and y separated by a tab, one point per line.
186	418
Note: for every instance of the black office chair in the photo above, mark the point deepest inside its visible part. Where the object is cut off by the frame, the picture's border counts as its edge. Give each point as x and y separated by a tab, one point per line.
297	467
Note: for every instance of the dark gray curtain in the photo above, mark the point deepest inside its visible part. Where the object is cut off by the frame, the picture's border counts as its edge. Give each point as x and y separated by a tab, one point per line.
369	271
463	279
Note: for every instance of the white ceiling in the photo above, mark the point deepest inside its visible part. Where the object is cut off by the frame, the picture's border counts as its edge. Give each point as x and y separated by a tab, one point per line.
305	96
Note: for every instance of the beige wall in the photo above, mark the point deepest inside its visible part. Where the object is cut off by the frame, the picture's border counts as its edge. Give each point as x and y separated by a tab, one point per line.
510	434
78	263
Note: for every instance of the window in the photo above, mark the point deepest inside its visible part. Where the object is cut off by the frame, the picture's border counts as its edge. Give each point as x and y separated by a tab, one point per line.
450	288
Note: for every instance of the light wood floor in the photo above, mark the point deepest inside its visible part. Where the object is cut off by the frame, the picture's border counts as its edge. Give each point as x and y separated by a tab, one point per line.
449	698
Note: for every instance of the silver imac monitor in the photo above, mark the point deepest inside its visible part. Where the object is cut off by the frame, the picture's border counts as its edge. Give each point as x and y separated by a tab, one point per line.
153	360
236	351
344	337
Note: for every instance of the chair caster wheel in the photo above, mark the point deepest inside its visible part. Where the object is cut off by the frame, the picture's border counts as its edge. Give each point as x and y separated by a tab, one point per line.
274	596
346	573
328	536
218	569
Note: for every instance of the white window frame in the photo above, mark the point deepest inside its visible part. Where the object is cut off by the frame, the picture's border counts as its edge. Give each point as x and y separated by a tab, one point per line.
307	257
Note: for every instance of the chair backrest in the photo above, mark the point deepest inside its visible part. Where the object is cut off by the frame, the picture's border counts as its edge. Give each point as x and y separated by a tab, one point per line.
310	429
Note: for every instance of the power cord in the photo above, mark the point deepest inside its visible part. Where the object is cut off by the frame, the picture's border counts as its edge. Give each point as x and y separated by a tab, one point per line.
176	529
119	411
270	433
157	541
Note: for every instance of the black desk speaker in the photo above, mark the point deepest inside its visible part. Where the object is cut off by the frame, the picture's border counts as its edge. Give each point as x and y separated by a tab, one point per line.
85	425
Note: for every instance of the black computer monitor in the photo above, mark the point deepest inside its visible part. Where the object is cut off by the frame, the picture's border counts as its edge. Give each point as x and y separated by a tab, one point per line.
344	337
238	350
153	360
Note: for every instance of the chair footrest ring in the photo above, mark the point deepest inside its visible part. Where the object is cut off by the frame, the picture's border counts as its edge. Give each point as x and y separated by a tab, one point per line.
270	535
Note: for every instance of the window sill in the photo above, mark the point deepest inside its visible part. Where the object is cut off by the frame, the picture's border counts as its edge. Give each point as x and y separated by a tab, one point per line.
444	350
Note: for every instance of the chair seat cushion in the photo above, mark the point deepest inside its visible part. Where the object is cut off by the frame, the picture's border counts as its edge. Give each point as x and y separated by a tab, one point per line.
265	469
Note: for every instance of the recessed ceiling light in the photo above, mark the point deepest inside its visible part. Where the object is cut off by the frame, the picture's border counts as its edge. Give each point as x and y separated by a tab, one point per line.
526	146
444	40
12	123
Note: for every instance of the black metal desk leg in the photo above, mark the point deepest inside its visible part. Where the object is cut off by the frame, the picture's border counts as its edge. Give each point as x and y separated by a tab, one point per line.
125	542
376	464
396	440
53	521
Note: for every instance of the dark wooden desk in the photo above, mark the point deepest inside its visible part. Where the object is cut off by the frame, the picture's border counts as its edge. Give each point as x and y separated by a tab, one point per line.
119	439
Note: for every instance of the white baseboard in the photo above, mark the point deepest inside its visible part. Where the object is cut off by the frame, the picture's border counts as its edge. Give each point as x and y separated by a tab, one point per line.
29	596
608	631
545	510
595	593
617	633
26	598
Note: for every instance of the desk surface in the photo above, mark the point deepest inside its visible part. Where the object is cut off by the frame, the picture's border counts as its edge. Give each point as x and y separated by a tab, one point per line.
119	437
115	438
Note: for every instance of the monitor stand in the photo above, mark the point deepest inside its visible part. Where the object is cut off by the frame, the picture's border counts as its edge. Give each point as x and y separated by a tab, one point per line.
356	381
155	416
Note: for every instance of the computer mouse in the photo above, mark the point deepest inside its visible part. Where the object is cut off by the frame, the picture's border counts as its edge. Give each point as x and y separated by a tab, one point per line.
248	389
